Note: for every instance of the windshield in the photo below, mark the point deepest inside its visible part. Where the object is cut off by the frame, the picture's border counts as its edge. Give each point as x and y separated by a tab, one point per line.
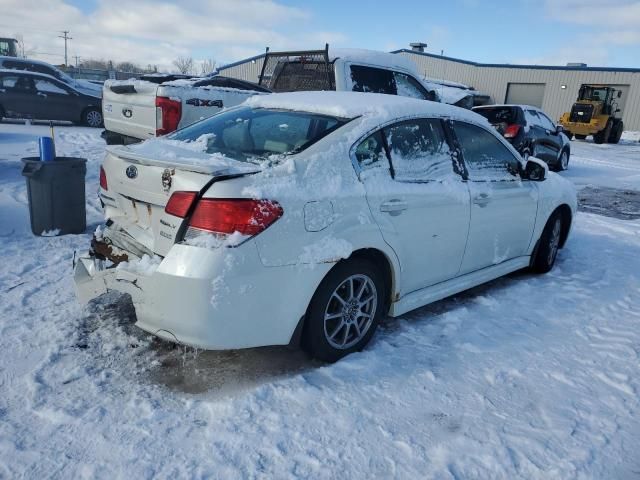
256	134
594	93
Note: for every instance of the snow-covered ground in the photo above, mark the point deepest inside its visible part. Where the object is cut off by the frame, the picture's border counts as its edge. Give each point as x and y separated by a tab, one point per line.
526	377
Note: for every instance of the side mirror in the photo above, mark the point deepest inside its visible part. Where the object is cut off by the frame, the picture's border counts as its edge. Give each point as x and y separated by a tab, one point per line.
535	170
559	129
619	93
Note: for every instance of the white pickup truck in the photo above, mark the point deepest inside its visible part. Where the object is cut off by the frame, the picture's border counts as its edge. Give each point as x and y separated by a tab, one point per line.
155	105
355	70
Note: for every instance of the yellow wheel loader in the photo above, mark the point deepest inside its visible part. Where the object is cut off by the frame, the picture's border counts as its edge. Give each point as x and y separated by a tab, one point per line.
595	113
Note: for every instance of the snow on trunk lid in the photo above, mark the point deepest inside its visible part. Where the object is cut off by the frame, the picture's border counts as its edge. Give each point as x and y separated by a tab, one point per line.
141	179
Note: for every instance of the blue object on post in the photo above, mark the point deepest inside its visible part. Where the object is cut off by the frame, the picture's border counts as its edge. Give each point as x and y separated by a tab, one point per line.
47	149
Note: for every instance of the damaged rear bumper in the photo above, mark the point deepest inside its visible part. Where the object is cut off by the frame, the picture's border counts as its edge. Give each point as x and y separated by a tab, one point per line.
215	299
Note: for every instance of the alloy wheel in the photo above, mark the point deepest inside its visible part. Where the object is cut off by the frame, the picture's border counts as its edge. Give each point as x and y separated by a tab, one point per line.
350	311
94	118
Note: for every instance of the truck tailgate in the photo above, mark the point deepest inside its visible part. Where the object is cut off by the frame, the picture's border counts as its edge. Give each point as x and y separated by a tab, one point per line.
129	107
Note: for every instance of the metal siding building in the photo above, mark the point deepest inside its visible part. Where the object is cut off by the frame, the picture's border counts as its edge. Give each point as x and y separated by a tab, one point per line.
537	84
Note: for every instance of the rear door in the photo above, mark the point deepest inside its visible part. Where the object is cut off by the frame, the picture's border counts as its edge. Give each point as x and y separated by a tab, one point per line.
503	206
419	202
552	137
129	108
19	94
543	148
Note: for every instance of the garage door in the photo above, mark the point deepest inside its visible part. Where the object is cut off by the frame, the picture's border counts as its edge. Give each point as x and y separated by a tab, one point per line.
525	93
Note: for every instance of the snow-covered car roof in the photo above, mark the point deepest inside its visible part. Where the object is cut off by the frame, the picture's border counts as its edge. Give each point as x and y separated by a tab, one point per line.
27	60
355	104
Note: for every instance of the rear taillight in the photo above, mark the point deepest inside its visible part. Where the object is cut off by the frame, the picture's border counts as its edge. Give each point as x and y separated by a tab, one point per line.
179	203
511	131
225	216
168	114
103	180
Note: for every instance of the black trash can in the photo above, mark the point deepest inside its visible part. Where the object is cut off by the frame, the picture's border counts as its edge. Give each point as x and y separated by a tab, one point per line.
56	194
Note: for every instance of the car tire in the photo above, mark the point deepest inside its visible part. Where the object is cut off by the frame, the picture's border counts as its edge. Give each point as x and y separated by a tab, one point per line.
2	113
580	137
92	117
548	245
563	160
603	135
345	310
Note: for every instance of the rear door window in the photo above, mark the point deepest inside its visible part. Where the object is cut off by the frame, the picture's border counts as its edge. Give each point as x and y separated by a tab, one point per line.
8	81
532	118
373	80
487	159
419	151
546	122
370	153
18	83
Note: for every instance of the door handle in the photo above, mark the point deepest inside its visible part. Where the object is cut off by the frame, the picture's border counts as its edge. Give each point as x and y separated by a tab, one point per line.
482	199
394	207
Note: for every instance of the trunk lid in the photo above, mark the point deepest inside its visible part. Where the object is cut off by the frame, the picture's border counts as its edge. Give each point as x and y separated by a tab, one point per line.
129	107
141	179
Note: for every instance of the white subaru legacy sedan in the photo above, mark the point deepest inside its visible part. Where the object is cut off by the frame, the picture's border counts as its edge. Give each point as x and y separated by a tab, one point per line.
307	217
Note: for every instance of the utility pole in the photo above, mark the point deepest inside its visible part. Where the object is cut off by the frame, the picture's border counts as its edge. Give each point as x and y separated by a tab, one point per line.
65	35
77	57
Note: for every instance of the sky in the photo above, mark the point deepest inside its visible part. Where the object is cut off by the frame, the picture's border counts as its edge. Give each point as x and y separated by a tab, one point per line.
554	32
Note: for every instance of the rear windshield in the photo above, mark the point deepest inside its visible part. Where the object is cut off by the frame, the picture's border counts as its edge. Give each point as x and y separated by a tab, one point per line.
498	115
257	134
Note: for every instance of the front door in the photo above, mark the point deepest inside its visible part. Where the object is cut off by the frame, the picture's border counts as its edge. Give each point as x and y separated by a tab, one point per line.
503	206
420	204
55	101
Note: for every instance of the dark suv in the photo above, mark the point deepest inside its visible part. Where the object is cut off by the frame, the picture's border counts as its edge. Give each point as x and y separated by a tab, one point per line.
42	97
531	132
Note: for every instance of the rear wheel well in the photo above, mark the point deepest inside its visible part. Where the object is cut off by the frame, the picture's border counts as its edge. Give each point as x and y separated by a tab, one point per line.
380	261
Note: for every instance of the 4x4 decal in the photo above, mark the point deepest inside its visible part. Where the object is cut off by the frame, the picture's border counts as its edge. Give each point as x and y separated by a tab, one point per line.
197	102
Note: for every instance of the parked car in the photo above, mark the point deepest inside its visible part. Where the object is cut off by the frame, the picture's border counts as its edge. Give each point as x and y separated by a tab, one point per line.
83	86
32	95
312	215
158	104
531	132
